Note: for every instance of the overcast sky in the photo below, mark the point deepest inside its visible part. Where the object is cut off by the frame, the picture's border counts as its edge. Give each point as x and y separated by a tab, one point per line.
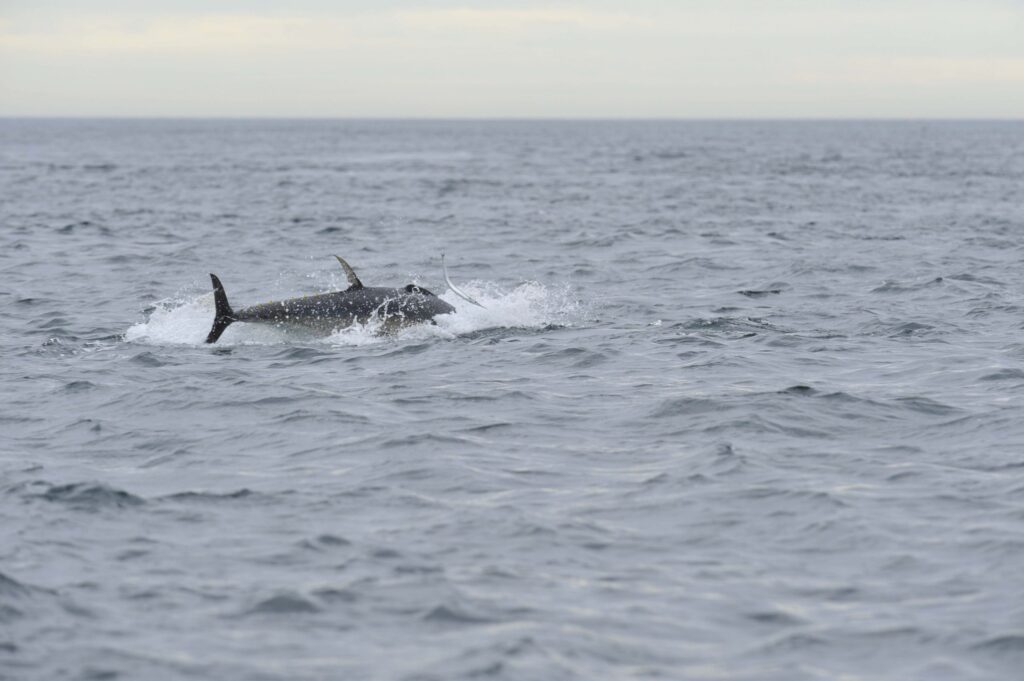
590	58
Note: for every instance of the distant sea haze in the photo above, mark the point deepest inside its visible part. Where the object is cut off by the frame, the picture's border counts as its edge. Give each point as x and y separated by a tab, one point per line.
744	400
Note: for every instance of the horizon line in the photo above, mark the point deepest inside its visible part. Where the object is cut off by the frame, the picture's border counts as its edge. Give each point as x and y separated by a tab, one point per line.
523	119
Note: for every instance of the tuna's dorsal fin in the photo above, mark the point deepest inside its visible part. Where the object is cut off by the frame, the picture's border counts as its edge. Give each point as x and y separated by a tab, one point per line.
353	280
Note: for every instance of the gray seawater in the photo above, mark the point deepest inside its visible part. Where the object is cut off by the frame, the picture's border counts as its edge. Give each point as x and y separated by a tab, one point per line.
745	402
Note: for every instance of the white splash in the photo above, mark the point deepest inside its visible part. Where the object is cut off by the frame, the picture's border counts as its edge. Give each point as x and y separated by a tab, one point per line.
175	322
187	320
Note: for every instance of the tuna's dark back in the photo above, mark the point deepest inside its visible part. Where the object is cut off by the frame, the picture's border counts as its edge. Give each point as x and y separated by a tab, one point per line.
350	306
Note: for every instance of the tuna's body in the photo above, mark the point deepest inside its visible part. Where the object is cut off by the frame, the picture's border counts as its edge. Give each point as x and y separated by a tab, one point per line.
337	310
395	307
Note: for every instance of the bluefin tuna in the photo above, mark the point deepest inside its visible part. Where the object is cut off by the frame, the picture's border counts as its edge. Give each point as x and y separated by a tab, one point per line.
394	308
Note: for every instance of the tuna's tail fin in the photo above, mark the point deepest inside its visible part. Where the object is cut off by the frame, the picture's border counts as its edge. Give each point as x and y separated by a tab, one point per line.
225	315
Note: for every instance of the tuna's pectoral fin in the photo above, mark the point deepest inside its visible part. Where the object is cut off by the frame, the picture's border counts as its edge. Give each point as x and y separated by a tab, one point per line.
353	280
453	287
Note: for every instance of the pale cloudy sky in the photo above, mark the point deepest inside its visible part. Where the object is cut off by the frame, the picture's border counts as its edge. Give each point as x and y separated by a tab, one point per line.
506	58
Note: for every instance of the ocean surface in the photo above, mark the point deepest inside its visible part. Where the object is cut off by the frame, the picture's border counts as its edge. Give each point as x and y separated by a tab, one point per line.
745	401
